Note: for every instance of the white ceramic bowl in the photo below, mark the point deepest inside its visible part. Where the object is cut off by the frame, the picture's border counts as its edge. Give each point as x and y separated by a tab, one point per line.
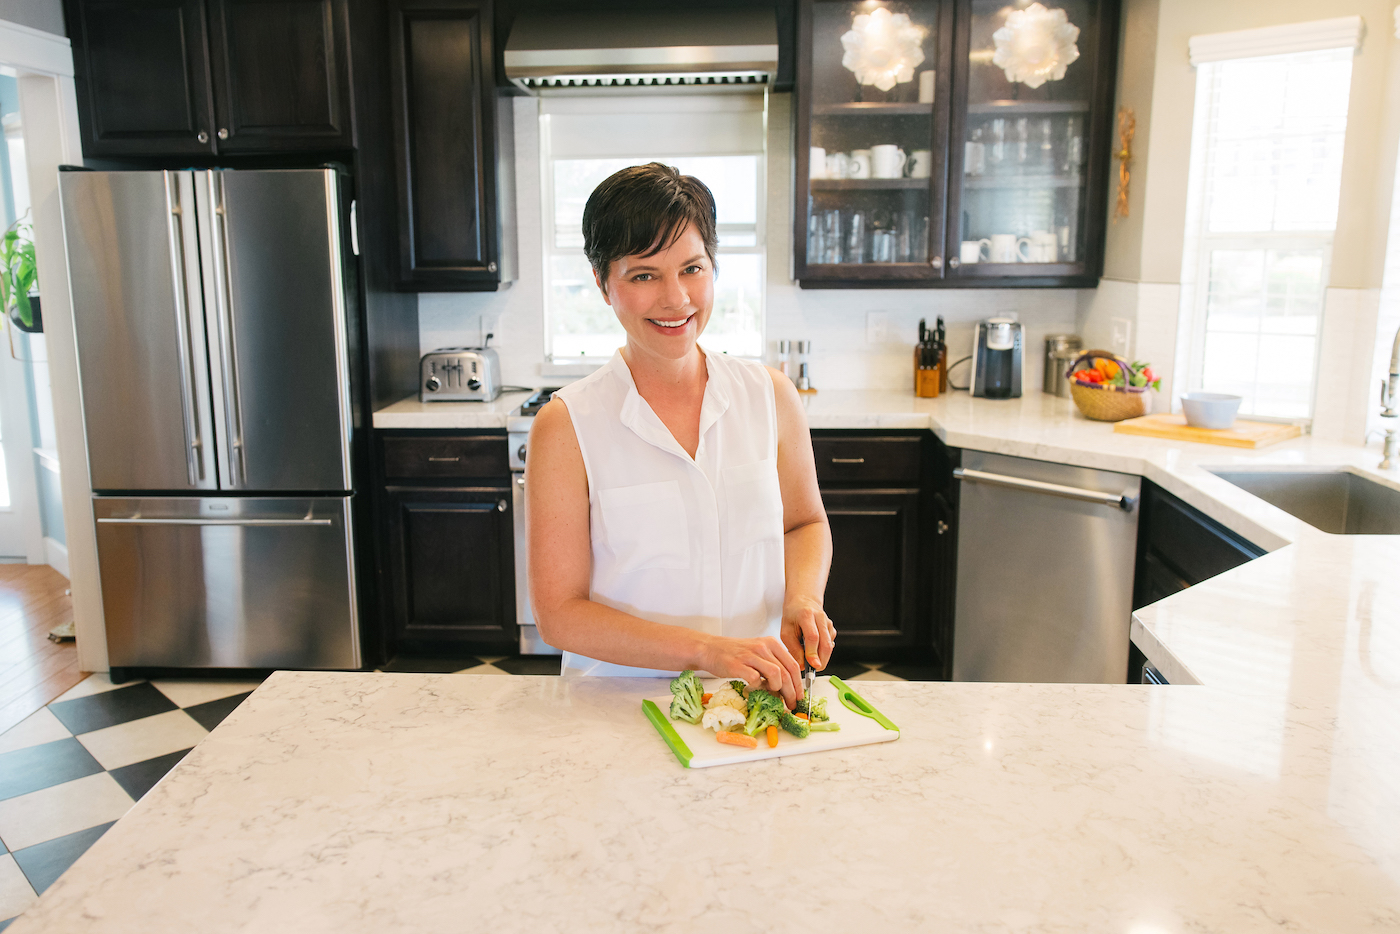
1210	409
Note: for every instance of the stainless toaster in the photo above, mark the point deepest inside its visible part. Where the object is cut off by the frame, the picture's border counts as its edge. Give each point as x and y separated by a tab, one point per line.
459	374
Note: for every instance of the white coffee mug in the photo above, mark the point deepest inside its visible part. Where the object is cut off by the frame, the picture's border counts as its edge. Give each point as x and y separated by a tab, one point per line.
971	251
1007	248
817	163
920	163
887	161
860	164
838	165
1045	247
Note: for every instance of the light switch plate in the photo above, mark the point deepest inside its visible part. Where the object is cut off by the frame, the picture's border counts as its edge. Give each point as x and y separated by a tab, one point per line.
877	327
1120	339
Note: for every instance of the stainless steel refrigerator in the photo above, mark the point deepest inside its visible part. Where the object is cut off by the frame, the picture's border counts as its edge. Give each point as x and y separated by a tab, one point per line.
210	309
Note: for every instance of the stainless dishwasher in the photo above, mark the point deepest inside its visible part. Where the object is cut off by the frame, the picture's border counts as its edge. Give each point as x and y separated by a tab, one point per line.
1045	571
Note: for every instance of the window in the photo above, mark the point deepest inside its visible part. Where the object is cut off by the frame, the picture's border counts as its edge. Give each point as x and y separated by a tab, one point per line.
717	138
1266	168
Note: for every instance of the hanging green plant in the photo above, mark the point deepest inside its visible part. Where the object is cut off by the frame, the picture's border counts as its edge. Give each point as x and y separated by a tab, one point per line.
17	273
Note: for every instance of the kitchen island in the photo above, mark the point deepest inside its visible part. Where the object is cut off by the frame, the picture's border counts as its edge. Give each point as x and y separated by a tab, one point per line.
1262	797
368	802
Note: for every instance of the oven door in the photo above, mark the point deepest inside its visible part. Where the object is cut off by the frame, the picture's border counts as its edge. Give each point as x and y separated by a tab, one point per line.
530	641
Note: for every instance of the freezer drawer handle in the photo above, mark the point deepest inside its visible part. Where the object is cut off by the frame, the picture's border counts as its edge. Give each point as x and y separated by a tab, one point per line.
138	520
1121	500
848	460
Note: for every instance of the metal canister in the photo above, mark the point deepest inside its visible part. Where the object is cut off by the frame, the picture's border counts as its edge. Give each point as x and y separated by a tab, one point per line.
1060	352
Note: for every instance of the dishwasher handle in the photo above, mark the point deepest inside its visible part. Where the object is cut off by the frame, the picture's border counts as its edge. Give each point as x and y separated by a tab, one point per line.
1121	500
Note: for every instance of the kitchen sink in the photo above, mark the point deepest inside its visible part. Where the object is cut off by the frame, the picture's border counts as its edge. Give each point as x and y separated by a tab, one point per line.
1334	501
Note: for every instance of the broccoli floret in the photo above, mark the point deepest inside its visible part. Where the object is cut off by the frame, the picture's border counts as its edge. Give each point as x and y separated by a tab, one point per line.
793	725
741	687
764	708
686	704
818	711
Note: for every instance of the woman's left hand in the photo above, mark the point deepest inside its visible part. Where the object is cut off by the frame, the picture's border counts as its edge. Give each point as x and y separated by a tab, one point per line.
808	632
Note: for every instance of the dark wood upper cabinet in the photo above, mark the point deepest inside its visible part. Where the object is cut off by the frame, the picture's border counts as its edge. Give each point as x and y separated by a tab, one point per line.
183	77
281	75
142	74
450	153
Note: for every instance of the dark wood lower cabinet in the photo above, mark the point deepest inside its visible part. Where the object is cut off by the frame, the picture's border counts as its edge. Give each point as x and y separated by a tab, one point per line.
452	578
872	591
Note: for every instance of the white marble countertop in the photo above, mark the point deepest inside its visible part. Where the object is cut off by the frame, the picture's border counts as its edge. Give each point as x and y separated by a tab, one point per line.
410	413
1265	797
369	803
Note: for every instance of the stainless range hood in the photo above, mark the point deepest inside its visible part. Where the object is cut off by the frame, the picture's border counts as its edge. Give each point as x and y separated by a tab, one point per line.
560	52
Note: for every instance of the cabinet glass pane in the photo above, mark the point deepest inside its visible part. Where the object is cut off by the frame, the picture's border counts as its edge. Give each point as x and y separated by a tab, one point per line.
1030	81
871	115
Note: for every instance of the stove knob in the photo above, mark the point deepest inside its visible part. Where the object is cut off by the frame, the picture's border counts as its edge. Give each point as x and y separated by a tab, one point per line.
473	384
432	384
521	454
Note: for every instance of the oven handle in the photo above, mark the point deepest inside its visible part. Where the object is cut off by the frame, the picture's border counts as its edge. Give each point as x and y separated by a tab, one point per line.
1120	500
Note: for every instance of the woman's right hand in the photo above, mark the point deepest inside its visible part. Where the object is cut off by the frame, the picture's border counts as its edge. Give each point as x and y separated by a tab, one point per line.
763	662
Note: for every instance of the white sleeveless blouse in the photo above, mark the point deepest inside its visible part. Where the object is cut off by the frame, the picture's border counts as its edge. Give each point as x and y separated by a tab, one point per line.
695	543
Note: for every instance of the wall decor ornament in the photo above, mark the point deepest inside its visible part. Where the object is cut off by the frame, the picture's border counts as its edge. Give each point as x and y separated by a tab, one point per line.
1127	126
884	48
1036	45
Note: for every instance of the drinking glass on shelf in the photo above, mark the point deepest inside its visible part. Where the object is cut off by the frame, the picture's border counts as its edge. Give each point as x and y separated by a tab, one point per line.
975	154
996	149
855	238
831	235
816	250
1022	138
882	245
1074	146
904	236
1046	161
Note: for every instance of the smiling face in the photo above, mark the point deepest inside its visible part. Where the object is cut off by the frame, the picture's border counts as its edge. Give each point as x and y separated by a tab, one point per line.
663	301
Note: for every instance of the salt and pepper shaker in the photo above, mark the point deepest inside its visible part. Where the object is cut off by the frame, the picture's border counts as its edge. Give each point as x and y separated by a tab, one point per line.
804	373
784	354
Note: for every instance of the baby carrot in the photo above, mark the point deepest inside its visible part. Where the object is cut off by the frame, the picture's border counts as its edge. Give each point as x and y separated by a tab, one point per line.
772	736
800	715
738	739
705	698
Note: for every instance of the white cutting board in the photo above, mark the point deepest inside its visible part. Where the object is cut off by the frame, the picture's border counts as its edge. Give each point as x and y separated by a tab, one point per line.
697	748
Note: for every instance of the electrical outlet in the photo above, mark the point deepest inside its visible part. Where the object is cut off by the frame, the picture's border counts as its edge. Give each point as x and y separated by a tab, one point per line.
877	327
1120	339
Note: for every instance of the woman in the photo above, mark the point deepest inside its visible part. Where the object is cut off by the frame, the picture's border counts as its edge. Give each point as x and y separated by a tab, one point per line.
672	495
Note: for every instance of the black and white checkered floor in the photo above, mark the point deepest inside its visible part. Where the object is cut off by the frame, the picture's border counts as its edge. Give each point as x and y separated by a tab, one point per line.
69	771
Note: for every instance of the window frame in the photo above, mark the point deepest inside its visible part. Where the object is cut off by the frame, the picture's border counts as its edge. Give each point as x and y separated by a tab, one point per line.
582	365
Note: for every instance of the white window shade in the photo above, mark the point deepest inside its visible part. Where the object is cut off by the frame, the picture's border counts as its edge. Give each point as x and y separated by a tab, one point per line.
1343	32
681	124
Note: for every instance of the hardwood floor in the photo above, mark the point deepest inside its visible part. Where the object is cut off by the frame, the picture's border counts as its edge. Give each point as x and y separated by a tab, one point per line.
33	670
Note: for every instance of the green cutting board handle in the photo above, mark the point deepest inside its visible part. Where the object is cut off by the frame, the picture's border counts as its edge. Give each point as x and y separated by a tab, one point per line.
853	701
668	732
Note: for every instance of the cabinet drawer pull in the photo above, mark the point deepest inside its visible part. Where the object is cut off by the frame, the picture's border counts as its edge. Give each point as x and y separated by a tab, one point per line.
448	460
500	505
848	460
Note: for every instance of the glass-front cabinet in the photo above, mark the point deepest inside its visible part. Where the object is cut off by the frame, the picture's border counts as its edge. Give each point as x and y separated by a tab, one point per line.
960	143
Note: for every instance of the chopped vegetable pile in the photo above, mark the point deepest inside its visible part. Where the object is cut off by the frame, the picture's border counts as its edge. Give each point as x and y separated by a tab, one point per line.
738	715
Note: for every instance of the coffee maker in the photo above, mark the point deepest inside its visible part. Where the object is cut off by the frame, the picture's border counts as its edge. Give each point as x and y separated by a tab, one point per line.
996	359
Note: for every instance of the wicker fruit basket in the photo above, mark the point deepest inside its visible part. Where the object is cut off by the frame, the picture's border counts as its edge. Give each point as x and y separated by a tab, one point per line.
1105	403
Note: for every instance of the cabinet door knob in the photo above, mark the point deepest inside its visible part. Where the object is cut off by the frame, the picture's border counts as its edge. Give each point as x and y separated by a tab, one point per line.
491	267
942	527
223	133
203	137
936	262
954	263
501	505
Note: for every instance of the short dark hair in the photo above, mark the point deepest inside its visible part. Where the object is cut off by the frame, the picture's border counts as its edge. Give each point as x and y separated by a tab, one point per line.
642	210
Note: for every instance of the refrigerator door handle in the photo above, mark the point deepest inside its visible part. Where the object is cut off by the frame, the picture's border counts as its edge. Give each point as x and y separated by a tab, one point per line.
228	359
194	444
138	520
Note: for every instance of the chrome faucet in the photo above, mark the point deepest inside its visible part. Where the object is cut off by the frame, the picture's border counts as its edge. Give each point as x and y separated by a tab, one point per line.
1389	388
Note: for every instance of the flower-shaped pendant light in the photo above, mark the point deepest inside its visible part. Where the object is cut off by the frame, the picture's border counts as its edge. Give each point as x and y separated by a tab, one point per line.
883	48
1035	45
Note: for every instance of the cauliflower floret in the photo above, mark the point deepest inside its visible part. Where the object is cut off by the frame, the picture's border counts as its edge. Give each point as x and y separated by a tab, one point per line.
722	719
728	697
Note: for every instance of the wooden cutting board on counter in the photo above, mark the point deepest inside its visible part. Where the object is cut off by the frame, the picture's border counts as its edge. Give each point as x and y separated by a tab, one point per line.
696	747
1242	435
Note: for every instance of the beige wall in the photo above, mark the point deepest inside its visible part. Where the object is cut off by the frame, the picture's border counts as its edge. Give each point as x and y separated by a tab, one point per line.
1137	57
1372	130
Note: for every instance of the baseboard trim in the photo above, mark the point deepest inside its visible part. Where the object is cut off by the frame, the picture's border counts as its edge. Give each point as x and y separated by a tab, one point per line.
57	555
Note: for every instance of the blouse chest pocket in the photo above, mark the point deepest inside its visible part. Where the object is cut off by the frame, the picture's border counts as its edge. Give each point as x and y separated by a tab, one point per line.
753	504
645	527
